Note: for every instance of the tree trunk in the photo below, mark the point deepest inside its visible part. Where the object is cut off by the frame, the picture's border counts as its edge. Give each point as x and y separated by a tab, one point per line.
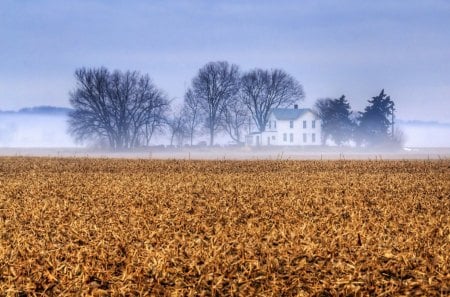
211	137
171	139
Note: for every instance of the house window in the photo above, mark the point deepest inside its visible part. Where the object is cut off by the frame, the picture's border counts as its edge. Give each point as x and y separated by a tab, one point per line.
304	124
304	137
313	124
291	137
270	124
274	124
284	137
291	124
313	137
273	137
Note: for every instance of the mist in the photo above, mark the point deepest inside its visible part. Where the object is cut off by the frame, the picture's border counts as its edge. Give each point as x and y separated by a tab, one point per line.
40	130
34	131
425	135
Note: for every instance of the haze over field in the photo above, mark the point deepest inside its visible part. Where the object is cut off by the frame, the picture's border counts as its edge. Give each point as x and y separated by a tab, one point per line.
37	129
34	130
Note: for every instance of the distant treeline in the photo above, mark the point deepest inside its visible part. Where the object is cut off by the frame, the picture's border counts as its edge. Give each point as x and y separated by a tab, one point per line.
126	109
44	110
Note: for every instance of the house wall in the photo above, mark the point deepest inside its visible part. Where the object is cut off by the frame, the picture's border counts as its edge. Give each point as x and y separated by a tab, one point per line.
269	138
297	131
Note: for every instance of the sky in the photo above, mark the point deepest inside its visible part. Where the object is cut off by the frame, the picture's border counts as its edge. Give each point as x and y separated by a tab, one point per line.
350	47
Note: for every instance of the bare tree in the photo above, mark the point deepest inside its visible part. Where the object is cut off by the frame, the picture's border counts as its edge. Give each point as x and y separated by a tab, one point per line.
235	119
114	106
177	126
323	108
192	113
214	85
156	122
263	90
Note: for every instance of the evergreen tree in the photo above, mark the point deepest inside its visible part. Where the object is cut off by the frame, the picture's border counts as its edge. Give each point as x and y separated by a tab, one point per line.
336	123
376	122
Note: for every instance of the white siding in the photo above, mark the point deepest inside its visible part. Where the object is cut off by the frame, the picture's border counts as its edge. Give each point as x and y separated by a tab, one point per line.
298	130
274	133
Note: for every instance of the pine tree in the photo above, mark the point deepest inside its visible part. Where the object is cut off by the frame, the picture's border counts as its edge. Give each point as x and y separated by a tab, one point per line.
336	123
376	122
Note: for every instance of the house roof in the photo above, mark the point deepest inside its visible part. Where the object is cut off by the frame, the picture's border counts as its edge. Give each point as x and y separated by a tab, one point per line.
288	114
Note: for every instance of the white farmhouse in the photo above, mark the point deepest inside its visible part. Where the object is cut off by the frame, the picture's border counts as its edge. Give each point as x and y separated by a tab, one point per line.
289	126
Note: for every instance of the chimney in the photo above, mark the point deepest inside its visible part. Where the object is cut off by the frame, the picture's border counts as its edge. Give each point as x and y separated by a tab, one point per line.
295	106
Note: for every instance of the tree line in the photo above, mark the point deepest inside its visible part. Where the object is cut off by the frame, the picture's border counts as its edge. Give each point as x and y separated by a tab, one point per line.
374	127
124	110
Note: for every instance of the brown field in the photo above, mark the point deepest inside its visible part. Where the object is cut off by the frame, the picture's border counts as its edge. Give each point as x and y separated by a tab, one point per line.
122	227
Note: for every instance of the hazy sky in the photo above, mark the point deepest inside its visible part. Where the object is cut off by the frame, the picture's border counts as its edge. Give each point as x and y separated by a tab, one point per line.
337	47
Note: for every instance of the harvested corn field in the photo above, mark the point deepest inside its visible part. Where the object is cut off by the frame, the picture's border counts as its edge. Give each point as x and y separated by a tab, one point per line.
279	228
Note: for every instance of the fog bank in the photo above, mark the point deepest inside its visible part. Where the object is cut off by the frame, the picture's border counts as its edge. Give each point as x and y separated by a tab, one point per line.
427	135
34	130
49	130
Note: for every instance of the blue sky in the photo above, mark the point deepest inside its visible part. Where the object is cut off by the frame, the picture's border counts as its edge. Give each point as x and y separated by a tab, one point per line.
350	47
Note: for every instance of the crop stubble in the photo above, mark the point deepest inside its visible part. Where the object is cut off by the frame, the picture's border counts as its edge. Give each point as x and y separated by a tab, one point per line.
178	227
